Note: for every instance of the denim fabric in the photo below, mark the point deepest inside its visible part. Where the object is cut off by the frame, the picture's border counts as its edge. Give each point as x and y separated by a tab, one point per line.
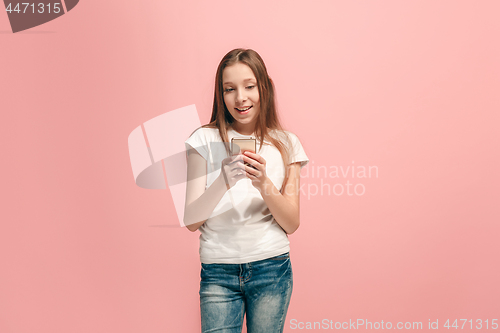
261	288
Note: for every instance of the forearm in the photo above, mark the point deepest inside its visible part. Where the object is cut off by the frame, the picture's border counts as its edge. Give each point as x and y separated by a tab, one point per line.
200	210
286	213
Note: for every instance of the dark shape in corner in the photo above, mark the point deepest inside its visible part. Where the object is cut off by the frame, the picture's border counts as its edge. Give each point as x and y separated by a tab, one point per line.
30	16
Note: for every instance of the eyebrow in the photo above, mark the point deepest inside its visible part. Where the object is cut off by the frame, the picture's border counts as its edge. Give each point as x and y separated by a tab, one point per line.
249	79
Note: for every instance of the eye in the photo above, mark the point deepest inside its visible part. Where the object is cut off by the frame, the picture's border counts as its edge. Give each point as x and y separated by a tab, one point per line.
250	87
228	89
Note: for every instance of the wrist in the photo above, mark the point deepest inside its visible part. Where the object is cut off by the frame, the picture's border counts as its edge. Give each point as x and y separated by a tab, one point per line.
266	187
223	181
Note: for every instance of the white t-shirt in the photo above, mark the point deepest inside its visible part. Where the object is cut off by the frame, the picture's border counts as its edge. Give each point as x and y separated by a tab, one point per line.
242	229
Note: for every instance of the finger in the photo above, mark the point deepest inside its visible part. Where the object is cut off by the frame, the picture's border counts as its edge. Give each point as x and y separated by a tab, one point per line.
251	176
251	170
239	175
236	158
252	163
233	164
238	166
237	172
255	156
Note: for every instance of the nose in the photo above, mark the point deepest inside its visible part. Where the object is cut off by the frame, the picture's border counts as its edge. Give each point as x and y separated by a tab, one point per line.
240	96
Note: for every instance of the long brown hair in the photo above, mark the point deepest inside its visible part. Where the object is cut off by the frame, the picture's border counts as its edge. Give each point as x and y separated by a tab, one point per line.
267	119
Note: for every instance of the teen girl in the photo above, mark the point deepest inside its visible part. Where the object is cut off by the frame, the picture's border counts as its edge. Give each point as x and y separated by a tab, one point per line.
244	213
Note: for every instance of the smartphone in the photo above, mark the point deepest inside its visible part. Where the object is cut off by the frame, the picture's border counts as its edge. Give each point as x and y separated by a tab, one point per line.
240	145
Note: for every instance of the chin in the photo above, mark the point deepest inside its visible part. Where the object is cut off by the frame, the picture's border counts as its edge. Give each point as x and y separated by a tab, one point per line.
245	121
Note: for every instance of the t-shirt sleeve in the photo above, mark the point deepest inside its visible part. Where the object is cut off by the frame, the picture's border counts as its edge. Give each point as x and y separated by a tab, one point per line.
198	141
298	153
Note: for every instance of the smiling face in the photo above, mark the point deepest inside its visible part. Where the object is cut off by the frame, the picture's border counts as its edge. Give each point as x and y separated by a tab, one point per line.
241	96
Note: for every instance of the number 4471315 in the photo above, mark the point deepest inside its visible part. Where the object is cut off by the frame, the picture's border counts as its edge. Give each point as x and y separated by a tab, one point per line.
479	324
41	8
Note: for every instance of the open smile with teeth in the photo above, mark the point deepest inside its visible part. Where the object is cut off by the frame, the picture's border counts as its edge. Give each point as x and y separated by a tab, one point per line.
244	110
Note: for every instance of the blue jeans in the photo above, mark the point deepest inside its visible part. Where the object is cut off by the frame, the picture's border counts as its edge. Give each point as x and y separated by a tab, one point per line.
261	288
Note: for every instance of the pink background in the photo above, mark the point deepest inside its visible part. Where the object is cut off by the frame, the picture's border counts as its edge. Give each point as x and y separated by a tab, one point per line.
408	86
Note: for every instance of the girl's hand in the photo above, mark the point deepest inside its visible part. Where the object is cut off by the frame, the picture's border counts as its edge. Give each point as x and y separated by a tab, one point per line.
232	169
257	173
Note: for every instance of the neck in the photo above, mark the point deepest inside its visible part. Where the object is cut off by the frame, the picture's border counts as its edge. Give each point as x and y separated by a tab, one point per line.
243	130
